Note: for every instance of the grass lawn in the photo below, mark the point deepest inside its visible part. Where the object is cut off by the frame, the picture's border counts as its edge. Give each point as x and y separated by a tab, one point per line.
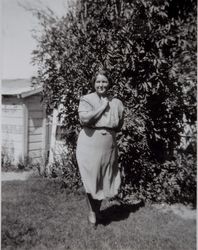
38	214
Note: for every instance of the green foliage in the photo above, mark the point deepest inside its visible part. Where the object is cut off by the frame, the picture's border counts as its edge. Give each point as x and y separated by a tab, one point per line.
173	181
6	161
8	164
65	168
149	48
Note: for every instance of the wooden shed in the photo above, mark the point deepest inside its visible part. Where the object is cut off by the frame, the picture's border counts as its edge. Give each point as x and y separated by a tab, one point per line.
25	130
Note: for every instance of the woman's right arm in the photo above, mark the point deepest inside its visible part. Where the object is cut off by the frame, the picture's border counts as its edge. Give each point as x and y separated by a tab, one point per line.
90	117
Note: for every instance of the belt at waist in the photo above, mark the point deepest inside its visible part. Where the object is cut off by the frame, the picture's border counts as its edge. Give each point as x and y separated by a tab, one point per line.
100	128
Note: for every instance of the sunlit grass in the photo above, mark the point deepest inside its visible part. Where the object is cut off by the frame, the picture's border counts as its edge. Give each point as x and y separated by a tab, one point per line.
38	214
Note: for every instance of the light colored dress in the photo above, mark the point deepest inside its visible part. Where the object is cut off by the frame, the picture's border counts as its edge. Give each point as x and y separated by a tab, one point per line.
96	152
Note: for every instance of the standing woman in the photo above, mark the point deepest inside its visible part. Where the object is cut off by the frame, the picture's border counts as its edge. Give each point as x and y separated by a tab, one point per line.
97	156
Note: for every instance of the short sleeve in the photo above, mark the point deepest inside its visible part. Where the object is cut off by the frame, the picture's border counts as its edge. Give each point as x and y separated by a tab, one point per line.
84	105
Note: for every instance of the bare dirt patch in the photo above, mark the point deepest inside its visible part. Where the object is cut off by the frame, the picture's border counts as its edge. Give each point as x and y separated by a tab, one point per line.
11	176
185	212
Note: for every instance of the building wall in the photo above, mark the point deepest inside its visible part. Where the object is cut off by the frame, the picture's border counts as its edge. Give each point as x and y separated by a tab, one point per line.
24	129
12	128
36	128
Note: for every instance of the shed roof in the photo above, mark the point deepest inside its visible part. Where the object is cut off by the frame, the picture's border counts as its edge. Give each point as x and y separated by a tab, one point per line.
19	87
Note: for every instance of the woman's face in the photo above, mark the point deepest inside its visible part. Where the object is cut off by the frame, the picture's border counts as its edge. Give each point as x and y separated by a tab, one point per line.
101	85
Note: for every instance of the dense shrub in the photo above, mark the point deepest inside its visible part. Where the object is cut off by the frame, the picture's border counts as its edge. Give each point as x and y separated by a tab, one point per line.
64	167
149	47
172	181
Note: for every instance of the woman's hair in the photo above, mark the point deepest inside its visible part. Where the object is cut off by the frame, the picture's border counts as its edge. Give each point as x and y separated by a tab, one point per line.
101	72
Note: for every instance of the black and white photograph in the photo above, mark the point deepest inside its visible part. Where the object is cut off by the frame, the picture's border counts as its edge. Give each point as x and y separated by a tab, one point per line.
98	124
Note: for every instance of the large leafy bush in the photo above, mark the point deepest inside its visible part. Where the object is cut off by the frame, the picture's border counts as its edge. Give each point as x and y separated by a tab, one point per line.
149	47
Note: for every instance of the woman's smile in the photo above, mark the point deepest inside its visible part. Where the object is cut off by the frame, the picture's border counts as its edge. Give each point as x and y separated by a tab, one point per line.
101	85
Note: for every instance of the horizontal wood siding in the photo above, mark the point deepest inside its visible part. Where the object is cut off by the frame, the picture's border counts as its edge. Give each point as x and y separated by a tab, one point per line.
35	154
35	104
35	122
15	138
12	128
35	146
35	114
18	121
35	127
14	154
35	138
12	112
34	130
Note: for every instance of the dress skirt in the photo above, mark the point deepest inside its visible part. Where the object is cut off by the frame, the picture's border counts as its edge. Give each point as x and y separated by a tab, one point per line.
97	159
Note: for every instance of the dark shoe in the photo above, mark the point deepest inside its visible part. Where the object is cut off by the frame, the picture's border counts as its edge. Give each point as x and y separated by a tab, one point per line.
102	218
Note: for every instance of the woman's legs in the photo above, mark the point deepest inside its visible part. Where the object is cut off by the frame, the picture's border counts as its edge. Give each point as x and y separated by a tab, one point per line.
98	205
91	203
94	208
91	206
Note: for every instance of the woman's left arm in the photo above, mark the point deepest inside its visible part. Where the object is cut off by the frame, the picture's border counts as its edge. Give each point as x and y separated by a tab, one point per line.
121	116
120	124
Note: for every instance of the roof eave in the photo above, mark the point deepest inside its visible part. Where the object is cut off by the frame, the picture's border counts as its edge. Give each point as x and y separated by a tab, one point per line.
24	94
31	92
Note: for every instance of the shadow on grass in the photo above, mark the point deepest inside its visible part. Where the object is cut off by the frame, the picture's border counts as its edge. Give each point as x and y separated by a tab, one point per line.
118	212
